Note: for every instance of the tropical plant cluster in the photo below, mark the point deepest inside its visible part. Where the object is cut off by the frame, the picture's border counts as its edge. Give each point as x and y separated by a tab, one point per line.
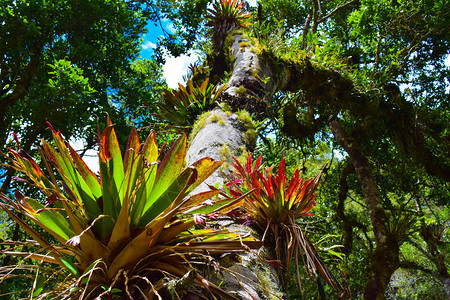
181	107
361	86
128	233
275	204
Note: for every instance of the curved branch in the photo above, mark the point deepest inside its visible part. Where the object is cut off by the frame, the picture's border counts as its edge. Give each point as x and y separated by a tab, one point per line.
21	86
362	169
334	11
407	264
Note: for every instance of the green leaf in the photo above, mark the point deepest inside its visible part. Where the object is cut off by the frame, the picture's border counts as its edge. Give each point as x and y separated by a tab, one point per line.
65	167
168	170
87	270
91	266
70	266
89	177
166	199
111	156
52	220
38	284
142	194
205	167
338	254
112	174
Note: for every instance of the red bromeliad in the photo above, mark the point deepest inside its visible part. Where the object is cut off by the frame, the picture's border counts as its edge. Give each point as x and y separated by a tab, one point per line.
275	205
275	199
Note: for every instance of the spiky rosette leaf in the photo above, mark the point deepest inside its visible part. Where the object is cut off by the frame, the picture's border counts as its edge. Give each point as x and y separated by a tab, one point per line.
275	205
228	13
128	228
181	107
225	16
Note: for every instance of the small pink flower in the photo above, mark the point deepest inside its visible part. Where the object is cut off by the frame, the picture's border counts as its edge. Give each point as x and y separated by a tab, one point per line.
74	241
237	181
213	216
209	202
199	219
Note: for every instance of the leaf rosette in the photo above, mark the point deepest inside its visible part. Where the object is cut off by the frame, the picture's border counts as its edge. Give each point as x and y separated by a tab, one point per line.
275	203
124	233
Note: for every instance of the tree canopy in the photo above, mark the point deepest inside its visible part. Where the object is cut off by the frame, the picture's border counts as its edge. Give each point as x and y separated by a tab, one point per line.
360	85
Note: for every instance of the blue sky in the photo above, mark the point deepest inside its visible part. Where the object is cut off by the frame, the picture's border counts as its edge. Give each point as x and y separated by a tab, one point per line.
175	67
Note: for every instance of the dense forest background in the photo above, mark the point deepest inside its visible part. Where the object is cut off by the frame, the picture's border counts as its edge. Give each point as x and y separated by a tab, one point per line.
361	86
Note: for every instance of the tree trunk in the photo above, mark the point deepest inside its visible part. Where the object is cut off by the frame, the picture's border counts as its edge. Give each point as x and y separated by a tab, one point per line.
385	258
221	138
257	76
224	136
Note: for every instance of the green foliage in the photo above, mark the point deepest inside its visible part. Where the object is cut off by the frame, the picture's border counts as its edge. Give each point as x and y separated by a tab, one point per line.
246	119
414	285
292	13
249	137
270	37
73	60
225	16
227	13
225	153
241	90
130	224
59	59
137	93
199	124
181	107
186	17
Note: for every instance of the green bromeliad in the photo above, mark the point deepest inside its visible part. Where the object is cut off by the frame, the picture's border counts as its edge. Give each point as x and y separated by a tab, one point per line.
181	107
125	233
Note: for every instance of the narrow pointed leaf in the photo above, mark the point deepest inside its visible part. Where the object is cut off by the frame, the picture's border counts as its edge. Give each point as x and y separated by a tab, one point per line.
205	167
166	199
35	256
37	237
89	177
168	170
52	221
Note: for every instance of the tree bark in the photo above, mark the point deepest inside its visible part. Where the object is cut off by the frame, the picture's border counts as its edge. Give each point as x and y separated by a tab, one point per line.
221	138
253	78
347	223
246	276
385	258
259	75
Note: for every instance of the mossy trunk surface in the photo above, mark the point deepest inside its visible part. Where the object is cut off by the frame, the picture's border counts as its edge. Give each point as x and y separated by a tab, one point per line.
385	258
221	136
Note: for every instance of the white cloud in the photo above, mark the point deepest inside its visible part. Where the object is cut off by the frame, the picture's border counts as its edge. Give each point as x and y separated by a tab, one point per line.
176	67
90	157
148	45
169	27
252	3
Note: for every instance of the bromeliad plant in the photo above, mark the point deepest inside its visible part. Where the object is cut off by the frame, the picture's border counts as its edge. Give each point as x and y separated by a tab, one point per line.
275	205
181	107
125	234
225	16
